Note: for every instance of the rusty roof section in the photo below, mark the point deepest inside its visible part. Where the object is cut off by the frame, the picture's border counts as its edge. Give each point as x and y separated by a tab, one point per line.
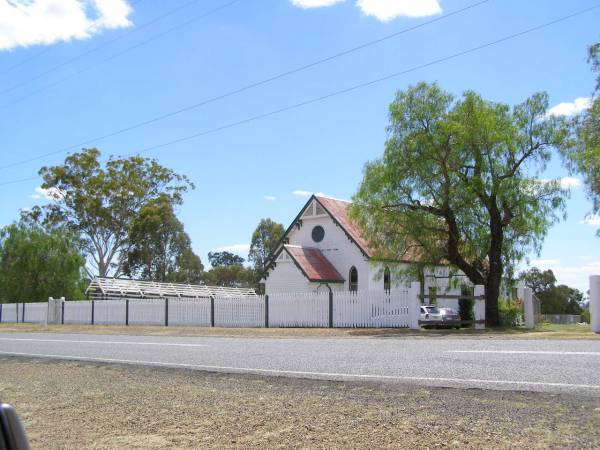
339	210
313	264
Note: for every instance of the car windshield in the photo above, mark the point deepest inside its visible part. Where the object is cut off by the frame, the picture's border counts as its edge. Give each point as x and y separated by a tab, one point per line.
432	309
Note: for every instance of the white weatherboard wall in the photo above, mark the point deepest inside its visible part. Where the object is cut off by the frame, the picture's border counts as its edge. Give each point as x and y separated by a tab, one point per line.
286	277
335	246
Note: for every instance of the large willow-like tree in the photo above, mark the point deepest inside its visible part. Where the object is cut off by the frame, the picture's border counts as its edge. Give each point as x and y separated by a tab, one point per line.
458	183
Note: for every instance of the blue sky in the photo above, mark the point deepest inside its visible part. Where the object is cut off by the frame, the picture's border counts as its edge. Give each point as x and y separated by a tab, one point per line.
70	73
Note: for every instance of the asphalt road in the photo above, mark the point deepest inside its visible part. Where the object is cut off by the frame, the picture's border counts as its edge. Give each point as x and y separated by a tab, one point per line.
531	365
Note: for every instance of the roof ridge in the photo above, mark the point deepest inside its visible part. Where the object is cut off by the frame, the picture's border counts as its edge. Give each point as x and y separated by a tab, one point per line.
333	198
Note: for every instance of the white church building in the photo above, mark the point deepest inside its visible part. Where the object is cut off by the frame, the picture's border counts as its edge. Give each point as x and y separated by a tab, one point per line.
323	248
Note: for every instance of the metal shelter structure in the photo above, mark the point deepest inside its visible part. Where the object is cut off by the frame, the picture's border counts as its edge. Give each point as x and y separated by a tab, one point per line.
112	288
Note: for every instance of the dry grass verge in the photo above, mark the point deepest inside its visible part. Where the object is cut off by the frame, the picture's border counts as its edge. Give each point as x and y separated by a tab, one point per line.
545	331
84	405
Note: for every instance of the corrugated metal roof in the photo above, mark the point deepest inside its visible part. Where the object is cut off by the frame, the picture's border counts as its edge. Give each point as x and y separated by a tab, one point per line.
124	287
314	264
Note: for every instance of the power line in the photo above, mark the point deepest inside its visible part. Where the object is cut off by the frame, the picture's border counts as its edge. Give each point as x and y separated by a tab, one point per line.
126	50
358	86
99	47
248	87
25	61
367	83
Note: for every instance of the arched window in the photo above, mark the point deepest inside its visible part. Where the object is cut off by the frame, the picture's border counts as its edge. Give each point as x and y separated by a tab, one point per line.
387	280
353	279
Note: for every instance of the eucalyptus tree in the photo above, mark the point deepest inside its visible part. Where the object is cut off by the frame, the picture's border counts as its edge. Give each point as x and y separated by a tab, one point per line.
100	201
458	184
265	238
158	248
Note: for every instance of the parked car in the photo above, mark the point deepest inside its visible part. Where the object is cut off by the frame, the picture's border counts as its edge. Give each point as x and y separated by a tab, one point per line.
450	317
430	316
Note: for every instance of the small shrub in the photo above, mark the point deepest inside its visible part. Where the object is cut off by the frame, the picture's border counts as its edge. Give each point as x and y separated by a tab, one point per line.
465	305
585	316
511	312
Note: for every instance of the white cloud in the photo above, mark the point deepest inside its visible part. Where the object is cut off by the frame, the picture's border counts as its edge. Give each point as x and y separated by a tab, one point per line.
270	198
47	194
386	10
301	193
306	4
383	10
567	182
43	22
235	248
568	109
591	219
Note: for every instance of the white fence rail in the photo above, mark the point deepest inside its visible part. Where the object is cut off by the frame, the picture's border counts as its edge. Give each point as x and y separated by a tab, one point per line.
323	309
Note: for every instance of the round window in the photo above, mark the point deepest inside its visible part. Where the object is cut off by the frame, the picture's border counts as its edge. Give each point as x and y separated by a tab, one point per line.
318	233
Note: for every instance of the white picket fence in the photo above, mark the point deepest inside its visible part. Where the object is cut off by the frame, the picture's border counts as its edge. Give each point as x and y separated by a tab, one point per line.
315	309
369	309
299	309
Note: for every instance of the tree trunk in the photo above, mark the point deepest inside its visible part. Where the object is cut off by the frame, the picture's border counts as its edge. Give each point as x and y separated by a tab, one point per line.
496	268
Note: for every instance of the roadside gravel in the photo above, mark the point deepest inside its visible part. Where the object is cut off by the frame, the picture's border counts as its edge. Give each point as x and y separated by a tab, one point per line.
544	332
85	405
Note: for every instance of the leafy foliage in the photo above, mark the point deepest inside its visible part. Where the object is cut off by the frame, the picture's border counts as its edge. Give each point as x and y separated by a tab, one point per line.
36	264
220	259
583	153
554	299
233	275
561	299
265	238
100	203
457	184
466	304
158	247
539	281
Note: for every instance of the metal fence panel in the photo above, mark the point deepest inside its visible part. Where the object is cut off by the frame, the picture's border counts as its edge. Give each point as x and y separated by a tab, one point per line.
77	312
109	312
35	312
9	312
149	311
189	312
239	311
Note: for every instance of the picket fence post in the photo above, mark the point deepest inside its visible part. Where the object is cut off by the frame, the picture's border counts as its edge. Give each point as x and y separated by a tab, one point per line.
266	311
212	312
166	312
330	308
